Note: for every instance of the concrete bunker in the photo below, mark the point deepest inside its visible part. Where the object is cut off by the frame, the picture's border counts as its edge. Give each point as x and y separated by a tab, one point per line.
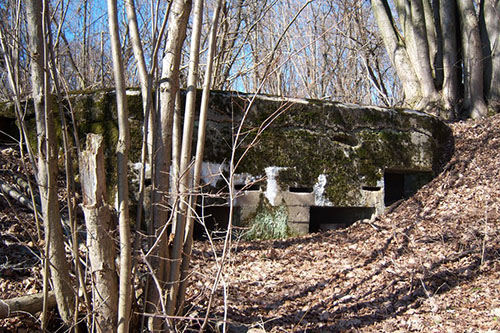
331	164
310	211
318	159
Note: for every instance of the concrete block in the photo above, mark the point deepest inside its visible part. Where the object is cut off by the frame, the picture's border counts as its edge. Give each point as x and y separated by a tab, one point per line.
245	212
299	228
248	198
298	199
298	214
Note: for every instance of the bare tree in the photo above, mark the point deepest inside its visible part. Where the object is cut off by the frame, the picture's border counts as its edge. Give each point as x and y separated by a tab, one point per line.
47	158
438	73
200	148
329	52
122	150
185	161
169	87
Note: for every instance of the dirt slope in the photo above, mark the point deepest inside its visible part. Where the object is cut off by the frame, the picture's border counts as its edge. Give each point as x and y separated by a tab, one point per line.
432	265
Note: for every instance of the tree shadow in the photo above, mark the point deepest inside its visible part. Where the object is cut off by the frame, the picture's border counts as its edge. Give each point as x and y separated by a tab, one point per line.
438	279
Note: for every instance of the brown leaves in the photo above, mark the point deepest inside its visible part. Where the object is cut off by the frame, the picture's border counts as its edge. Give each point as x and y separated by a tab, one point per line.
419	270
431	265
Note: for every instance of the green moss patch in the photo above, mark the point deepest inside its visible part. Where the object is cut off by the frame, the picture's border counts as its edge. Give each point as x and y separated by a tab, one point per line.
269	222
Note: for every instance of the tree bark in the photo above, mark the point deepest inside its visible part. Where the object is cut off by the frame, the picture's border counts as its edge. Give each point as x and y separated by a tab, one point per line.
29	303
451	84
431	32
200	148
47	163
185	159
397	52
418	48
429	29
98	220
169	86
147	99
122	149
473	67
490	36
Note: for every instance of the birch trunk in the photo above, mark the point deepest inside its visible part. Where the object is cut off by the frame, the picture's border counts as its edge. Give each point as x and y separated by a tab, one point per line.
98	221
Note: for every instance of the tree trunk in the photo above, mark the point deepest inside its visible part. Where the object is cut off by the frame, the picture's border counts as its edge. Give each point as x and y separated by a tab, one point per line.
451	84
397	52
100	243
473	66
200	148
147	99
430	32
122	149
47	163
417	46
490	36
185	159
176	33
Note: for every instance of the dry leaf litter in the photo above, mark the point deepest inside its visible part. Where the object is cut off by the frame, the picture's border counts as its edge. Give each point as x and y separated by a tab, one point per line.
431	265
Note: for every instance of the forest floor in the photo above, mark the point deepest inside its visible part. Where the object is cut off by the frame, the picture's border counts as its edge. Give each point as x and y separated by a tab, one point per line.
431	265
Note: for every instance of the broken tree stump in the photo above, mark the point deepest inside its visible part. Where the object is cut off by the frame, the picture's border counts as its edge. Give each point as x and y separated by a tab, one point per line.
98	220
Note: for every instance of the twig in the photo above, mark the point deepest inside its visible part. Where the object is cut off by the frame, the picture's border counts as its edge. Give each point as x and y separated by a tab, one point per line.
485	237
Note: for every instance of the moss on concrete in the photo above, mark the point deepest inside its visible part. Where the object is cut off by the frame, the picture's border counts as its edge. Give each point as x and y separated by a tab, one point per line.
350	145
268	222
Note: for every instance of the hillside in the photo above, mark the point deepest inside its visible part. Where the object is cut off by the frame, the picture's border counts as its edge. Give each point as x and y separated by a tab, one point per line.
431	265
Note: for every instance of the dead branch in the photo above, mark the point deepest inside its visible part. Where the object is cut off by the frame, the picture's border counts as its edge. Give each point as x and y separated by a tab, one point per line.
29	303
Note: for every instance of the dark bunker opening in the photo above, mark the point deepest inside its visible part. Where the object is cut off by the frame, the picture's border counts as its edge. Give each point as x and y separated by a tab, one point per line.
299	189
402	184
326	218
215	218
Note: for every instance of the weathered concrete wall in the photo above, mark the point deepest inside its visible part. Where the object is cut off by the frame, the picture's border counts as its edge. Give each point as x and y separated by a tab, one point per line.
331	154
312	153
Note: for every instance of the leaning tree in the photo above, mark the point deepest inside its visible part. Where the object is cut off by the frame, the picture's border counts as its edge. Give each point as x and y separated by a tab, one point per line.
445	52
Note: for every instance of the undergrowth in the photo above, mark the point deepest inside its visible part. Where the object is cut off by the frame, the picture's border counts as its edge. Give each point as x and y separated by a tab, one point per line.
269	223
